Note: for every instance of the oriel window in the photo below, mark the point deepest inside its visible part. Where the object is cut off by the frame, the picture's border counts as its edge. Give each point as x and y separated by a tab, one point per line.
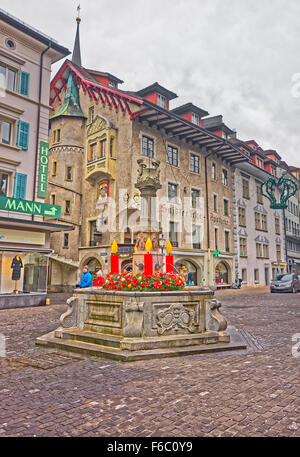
102	149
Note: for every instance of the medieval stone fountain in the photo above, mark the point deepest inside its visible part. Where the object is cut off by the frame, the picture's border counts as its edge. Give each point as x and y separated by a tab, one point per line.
137	325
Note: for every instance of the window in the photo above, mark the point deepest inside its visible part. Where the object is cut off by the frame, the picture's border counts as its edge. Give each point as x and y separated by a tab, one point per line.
91	114
95	236
20	186
93	152
226	238
243	247
56	136
162	101
216	238
242	216
259	195
127	236
258	250
214	172
195	119
23	135
147	146
246	193
266	251
257	221
196	236
172	191
215	202
66	240
5	131
278	251
102	149
67	207
195	194
264	223
54	167
225	177
256	275
8	77
259	163
173	233
111	145
3	184
69	173
173	156
24	83
226	207
194	163
53	199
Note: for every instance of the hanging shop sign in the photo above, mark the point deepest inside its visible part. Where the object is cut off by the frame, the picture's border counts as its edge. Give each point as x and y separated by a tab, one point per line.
21	236
43	169
29	207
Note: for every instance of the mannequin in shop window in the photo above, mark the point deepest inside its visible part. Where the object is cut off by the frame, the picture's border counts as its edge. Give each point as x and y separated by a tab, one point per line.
16	266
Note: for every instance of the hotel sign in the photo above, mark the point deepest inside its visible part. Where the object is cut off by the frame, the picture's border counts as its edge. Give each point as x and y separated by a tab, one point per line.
29	207
43	169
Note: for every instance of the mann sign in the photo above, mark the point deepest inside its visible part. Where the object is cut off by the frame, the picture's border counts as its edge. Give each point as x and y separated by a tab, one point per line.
29	207
43	169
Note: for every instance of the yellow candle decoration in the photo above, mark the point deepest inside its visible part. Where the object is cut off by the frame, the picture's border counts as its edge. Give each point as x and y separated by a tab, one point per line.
135	248
114	247
169	247
148	245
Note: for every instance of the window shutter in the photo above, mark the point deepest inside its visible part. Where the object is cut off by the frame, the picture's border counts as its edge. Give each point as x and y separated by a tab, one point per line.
24	83
20	186
23	135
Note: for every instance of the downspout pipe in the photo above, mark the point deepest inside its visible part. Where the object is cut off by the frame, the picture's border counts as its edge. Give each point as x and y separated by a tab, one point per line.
38	124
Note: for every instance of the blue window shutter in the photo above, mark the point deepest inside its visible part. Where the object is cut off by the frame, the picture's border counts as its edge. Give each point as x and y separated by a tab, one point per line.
24	83
23	135
20	186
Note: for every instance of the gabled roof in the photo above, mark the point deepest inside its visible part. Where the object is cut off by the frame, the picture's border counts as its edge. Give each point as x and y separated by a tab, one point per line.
177	126
189	108
95	90
272	152
155	87
214	122
105	74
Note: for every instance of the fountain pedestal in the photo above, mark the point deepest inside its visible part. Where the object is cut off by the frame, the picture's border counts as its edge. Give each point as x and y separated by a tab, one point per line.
129	326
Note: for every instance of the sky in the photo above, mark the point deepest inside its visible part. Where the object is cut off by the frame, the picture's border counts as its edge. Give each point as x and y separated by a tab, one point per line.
238	58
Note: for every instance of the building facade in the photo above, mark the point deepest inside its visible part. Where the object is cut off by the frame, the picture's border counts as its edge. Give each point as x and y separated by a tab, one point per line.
98	134
26	56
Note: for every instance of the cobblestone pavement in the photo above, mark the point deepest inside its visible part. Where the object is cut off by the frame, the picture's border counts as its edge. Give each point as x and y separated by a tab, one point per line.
44	392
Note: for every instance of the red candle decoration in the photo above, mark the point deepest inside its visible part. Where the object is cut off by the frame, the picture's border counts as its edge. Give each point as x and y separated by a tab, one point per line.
169	264
148	259
169	258
148	264
114	259
114	264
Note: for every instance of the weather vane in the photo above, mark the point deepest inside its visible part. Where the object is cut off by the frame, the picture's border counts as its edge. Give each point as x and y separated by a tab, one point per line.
287	187
78	14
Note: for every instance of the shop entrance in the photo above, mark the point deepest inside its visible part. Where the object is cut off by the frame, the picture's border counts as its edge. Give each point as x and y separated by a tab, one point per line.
222	273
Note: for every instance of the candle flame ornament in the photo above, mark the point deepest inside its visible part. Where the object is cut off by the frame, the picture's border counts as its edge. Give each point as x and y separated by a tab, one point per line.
169	247
148	245
135	248
114	247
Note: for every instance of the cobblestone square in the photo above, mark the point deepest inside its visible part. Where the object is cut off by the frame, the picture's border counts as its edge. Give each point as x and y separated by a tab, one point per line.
249	393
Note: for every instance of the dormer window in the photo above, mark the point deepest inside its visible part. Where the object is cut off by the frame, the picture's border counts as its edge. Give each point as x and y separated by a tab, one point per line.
195	119
162	101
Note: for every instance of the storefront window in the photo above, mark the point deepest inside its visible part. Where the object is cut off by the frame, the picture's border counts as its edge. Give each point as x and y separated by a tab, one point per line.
30	271
222	276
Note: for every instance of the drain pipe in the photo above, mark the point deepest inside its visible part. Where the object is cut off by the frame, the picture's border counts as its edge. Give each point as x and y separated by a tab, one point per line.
38	124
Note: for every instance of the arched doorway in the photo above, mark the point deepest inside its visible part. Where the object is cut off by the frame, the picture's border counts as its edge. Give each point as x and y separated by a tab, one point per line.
94	266
189	270
222	272
126	265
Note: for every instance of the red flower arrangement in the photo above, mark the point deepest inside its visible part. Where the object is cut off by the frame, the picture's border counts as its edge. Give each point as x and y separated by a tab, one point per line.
140	282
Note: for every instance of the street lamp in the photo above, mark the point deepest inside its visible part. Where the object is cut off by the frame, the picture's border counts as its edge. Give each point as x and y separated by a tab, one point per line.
162	243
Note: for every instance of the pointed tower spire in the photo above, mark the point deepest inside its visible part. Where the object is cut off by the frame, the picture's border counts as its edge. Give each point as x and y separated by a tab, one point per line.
76	56
71	104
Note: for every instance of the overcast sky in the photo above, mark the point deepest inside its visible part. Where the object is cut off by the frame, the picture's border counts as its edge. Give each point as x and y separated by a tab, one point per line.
230	57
